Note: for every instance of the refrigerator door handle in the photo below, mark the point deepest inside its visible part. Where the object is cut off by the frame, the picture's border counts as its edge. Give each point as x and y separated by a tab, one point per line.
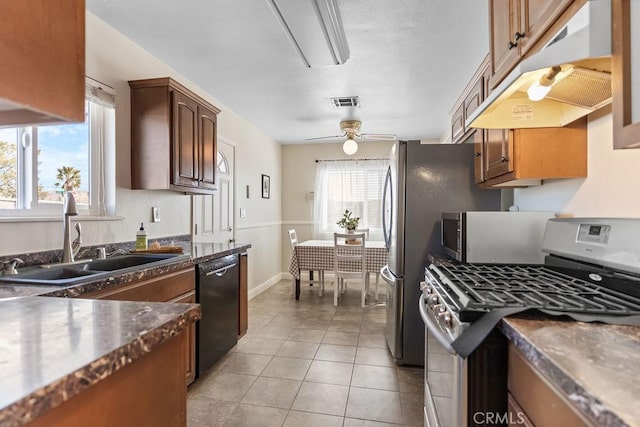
386	275
387	199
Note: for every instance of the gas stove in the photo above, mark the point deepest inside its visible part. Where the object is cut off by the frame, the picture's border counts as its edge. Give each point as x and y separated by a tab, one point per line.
592	269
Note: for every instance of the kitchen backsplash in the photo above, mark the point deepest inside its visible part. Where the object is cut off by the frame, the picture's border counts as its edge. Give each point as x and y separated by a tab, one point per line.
87	252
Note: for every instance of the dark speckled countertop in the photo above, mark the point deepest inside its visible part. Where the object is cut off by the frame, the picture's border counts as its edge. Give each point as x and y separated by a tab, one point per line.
54	348
195	253
596	365
80	341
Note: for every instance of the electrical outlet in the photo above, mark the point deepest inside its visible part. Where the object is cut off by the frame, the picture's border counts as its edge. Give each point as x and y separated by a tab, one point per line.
155	214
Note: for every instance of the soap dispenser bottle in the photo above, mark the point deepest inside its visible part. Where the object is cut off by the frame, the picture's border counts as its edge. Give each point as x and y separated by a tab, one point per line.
141	239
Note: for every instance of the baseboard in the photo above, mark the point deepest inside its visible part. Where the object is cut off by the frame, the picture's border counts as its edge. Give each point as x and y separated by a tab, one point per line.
254	292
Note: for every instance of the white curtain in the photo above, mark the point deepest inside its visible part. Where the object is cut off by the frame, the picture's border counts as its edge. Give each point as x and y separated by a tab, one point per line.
355	185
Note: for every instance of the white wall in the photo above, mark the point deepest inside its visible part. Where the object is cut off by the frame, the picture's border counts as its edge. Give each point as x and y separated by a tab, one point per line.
113	59
298	181
610	189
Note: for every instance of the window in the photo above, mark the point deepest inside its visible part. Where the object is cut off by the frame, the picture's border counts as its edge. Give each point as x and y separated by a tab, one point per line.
39	163
356	185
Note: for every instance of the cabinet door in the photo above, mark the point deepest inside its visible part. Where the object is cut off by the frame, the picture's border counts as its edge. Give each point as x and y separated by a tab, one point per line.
474	99
479	158
208	147
189	349
625	71
243	313
457	123
536	16
504	23
185	141
498	148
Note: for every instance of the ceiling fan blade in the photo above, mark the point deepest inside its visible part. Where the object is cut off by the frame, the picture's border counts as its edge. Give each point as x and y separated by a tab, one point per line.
380	136
324	137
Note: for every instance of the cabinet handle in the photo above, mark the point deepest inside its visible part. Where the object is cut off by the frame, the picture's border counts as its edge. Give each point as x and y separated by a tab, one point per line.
478	154
517	36
503	159
511	45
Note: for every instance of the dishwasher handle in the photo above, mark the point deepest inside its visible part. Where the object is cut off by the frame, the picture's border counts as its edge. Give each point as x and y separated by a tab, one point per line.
220	271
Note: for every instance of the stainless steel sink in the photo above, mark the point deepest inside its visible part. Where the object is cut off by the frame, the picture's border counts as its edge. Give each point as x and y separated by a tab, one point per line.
126	261
78	273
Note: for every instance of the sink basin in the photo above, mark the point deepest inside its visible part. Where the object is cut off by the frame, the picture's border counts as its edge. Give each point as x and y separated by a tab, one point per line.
68	275
53	276
125	261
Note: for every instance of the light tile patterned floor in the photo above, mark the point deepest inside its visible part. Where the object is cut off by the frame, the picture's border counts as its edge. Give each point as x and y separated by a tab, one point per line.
308	363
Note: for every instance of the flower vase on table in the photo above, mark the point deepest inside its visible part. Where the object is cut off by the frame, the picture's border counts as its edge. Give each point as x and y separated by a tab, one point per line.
350	223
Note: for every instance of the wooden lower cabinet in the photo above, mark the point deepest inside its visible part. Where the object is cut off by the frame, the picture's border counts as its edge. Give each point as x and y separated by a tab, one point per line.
151	391
534	399
178	287
190	346
243	303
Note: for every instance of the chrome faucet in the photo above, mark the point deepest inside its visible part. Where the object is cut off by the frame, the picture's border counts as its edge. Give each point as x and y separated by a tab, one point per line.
70	250
9	266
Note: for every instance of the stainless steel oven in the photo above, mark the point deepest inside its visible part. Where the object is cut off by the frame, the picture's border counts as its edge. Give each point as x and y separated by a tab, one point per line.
494	237
457	388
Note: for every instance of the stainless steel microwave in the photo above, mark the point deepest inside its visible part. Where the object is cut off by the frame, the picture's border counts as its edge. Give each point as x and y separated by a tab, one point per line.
494	237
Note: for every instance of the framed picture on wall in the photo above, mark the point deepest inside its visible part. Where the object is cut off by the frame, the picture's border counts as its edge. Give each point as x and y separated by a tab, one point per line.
266	186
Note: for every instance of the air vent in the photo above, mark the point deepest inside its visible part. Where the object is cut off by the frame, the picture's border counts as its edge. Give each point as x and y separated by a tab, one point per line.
345	101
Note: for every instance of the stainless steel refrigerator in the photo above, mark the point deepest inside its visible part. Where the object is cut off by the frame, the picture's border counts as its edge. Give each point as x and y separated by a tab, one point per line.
423	181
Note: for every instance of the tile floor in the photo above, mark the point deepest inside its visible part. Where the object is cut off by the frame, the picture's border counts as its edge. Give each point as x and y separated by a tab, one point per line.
308	363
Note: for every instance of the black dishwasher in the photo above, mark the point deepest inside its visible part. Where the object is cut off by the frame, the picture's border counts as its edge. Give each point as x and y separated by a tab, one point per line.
217	293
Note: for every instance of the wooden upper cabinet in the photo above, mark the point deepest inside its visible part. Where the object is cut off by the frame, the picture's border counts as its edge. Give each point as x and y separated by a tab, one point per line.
524	157
173	138
42	77
625	73
536	16
504	21
498	148
208	147
515	28
185	138
470	99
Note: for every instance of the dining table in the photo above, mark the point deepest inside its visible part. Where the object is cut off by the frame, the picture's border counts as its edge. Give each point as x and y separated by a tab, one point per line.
317	255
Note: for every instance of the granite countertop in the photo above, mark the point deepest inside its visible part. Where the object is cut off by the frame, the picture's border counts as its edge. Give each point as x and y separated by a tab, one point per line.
54	348
596	365
195	253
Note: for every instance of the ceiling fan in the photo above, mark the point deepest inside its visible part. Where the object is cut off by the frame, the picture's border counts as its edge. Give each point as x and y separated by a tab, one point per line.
351	130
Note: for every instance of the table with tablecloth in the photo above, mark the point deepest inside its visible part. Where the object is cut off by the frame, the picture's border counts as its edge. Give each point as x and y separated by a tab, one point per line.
317	255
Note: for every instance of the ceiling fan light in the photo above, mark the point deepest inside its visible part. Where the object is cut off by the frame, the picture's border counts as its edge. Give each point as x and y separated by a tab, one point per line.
350	147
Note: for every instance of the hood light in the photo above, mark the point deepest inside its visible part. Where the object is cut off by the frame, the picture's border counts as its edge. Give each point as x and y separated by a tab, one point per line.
540	88
350	147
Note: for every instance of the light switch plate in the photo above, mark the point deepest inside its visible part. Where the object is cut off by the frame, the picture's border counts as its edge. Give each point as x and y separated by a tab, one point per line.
155	214
243	212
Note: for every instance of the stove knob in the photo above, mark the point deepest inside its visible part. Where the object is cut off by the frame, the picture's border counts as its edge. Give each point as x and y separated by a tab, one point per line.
434	299
423	285
447	319
445	316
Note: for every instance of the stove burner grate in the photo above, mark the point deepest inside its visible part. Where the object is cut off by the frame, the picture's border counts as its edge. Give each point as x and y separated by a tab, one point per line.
486	286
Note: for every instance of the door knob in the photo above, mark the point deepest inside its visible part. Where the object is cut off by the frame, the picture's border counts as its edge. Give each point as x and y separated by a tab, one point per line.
511	45
503	159
517	36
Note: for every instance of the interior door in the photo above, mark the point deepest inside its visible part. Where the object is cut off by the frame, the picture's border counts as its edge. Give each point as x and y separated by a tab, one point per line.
213	215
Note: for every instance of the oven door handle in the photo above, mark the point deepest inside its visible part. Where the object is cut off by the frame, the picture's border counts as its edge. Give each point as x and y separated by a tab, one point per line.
434	329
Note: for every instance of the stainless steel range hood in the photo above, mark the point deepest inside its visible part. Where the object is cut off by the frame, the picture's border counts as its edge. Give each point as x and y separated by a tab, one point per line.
582	50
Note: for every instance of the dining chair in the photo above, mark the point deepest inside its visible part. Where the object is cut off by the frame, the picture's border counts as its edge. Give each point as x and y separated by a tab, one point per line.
349	262
293	239
366	232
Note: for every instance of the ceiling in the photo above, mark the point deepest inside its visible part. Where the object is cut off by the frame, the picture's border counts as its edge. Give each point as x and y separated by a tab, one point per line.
409	61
